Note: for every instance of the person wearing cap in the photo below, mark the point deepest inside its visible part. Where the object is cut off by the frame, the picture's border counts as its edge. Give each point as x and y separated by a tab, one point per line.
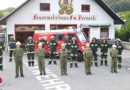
42	40
1	56
104	51
12	46
30	45
52	50
114	56
120	49
74	53
88	57
94	46
18	54
63	53
41	62
67	44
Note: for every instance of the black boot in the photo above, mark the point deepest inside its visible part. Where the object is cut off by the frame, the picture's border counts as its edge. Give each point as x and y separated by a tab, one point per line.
71	65
106	63
55	62
29	64
44	73
16	76
33	63
22	75
49	62
76	65
119	66
90	73
96	64
40	73
10	60
101	63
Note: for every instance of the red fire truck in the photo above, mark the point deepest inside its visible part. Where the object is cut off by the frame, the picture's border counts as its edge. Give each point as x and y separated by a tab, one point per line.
60	37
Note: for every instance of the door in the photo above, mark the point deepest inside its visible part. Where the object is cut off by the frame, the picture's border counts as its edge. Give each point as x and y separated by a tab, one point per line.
87	32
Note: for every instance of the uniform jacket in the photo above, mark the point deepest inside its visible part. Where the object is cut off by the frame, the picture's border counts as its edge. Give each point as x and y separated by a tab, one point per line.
41	52
120	47
30	46
52	45
68	44
18	53
88	54
63	53
1	52
74	48
12	44
42	41
114	53
94	46
104	47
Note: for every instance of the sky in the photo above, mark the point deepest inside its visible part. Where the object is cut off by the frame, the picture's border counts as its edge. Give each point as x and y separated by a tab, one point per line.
10	3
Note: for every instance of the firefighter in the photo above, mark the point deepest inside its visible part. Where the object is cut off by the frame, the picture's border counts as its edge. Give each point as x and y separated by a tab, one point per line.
63	53
67	45
1	57
18	54
88	57
52	50
94	46
41	62
120	48
114	56
41	40
12	46
74	53
30	45
104	51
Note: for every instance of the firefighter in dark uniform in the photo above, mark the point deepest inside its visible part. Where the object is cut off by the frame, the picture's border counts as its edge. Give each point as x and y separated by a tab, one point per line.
104	51
12	46
67	43
52	50
94	46
120	48
30	45
42	41
74	53
1	57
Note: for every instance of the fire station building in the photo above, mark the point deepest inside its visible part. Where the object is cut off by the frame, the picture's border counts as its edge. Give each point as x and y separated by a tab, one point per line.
94	17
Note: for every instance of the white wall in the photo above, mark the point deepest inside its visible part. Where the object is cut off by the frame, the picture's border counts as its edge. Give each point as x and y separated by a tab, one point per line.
24	16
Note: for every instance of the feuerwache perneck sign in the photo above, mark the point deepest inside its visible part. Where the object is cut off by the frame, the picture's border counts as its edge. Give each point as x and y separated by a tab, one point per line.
64	17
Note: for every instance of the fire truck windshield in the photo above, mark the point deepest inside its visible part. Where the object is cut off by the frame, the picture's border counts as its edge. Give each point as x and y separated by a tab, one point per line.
82	37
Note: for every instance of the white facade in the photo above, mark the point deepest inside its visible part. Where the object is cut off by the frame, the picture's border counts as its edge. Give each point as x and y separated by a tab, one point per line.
26	13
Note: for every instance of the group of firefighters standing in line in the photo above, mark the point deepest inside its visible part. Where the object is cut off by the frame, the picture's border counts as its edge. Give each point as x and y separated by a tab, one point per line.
69	51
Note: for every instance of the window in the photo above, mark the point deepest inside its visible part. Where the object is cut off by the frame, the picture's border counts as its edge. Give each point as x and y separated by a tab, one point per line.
62	26
104	32
82	37
44	6
71	36
85	8
59	37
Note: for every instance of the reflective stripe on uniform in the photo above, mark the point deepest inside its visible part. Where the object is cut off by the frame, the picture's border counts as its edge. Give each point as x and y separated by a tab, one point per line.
11	49
1	56
29	60
119	63
0	46
1	64
10	57
119	55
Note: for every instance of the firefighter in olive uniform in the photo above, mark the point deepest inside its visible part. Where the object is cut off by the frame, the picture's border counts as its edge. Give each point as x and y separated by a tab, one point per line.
30	45
12	46
63	53
104	51
74	53
67	45
114	56
18	54
42	41
120	48
88	57
41	62
94	46
1	57
52	48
